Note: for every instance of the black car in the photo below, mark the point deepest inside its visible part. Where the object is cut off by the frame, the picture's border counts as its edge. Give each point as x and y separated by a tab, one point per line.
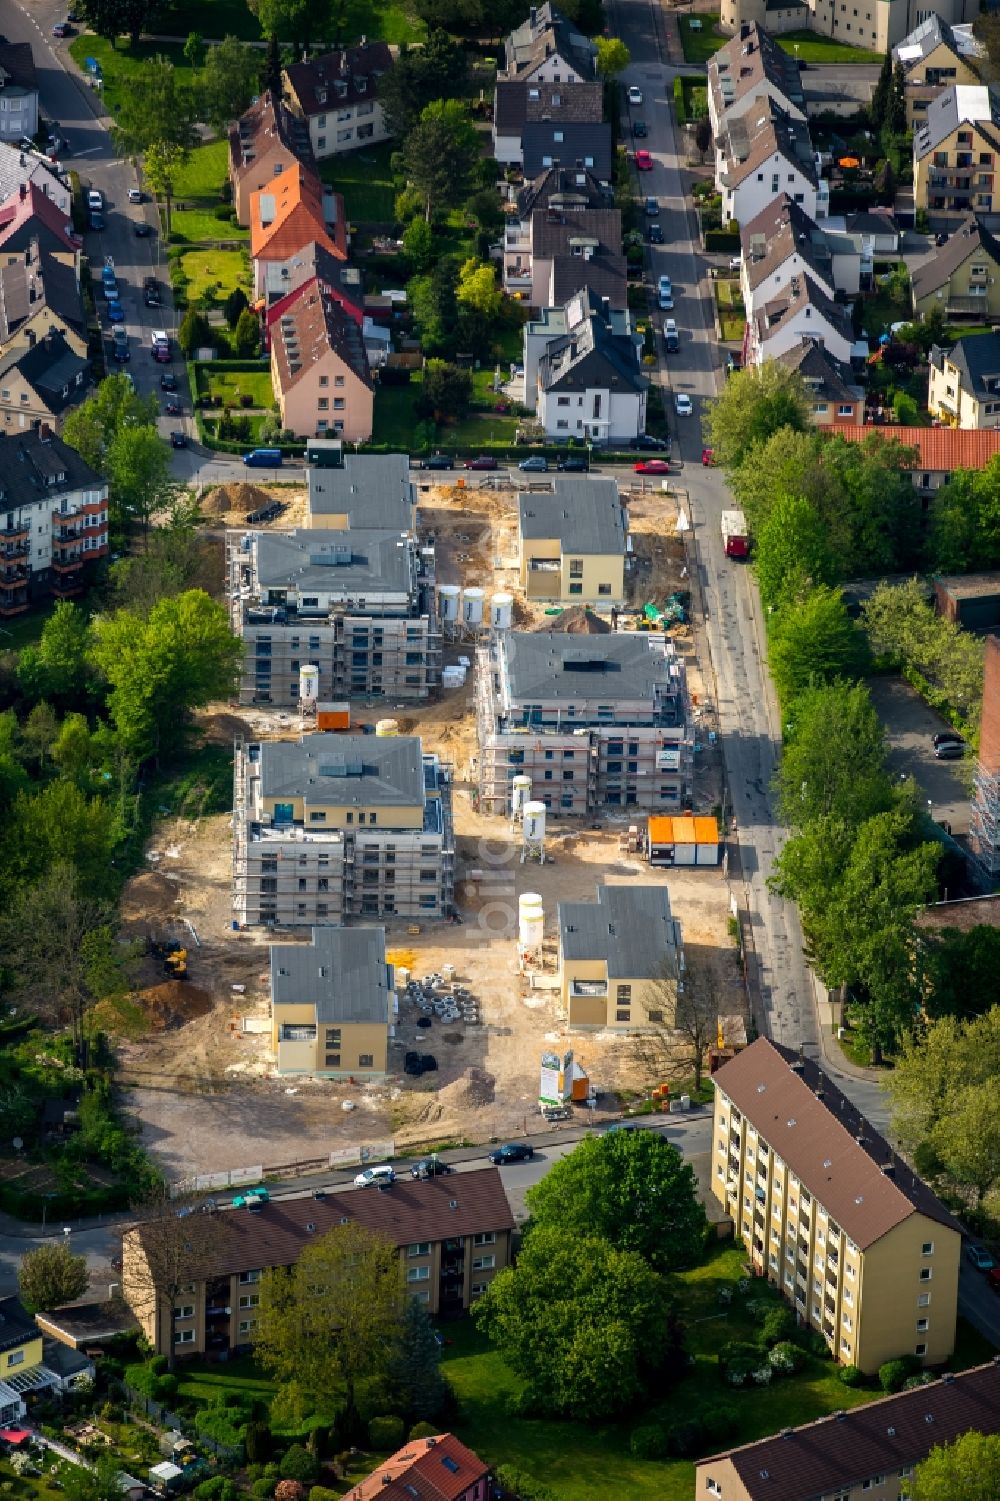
572	466
948	737
142	230
439	461
168	381
639	129
512	1151
96	222
430	1167
647	441
178	440
656	234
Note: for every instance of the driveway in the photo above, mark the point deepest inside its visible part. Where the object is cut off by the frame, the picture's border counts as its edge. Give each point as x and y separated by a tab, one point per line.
910	727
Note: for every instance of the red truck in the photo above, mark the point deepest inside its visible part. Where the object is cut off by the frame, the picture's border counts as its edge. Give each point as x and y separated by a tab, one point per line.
735	537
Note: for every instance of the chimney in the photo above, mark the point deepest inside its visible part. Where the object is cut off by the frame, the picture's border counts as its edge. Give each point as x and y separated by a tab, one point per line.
31	338
532	17
23	191
44	432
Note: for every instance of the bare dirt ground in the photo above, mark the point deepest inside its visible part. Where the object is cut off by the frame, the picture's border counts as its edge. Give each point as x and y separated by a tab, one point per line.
202	1086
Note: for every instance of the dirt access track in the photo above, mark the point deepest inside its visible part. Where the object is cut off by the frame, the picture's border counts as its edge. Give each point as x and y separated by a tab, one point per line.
202	1086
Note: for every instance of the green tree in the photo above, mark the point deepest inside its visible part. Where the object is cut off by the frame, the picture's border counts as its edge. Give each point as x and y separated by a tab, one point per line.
791	550
631	1188
484	207
175	559
420	75
194	49
814	640
968	1468
101	1482
228	82
51	1276
965	520
235	304
155	118
286	20
247	335
418	246
607	1316
880	98
162	665
55	823
833	761
73	750
904	628
38	734
961	972
882	512
789	462
194	332
415	1375
114	18
56	668
91	428
434	303
13	777
754	404
613	57
439	154
445	392
335	1318
478	290
139	479
895	111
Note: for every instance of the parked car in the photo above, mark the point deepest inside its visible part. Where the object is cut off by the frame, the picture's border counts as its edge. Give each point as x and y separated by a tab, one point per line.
639	129
96	222
665	294
168	381
656	234
535	465
652	208
993	1279
60	29
512	1151
652	466
948	737
142	230
671	338
263	458
116	313
735	262
634	94
950	750
644	162
646	440
439	461
178	440
682	405
430	1167
484	461
95	199
572	466
173	409
121	350
383	1174
135	195
980	1258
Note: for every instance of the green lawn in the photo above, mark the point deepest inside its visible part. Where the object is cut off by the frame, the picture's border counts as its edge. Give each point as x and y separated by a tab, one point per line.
732	314
593	1462
120	65
217	271
365	180
204	172
395	420
239	1376
230	385
810	48
375	19
22	630
693	102
702	40
196	224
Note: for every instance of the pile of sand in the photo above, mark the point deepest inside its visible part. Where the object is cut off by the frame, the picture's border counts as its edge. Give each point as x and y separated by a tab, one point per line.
238	496
172	1003
151	894
222	728
474	1087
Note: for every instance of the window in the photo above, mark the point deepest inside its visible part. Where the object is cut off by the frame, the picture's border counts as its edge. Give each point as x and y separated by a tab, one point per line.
366	1060
923	1300
623	995
920	1349
419	1248
248	1277
247	1326
927	1249
478	1288
922	1326
418	1274
184	1337
623	1016
483	1263
332	1060
249	1300
926	1273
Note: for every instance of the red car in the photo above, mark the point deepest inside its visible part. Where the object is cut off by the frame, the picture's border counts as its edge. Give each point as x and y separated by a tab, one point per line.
643	162
993	1279
652	466
483	462
708	457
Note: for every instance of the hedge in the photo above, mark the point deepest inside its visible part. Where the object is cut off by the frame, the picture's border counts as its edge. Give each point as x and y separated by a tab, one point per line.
721	239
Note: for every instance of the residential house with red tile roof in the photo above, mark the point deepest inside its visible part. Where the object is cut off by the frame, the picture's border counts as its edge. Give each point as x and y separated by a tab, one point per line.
263	143
32	216
319	369
336	95
833	392
868	1451
439	1468
864	1252
284	280
940	450
290	213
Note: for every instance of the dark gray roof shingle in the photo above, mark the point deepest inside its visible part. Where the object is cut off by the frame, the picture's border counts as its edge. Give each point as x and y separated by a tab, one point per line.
630	927
584	144
969	239
552	665
373	490
345	770
342	971
977	359
585	514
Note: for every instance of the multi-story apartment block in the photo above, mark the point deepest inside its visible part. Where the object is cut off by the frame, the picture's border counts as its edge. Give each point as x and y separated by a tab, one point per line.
334	826
955	152
453	1235
564	234
18	91
870	1451
589	384
857	1243
933	57
594	721
964	386
332	1004
801	310
359	606
572	542
359	491
620	960
263	143
517	104
874	24
337	97
53	519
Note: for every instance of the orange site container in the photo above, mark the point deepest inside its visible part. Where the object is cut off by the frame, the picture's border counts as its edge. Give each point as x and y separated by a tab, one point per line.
333	716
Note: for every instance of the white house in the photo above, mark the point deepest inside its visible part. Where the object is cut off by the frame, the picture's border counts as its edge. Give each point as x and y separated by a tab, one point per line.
763	154
18	92
546	48
800	310
782	242
589	384
337	96
752	67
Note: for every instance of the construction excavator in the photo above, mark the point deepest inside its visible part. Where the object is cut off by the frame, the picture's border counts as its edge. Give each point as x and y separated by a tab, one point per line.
173	956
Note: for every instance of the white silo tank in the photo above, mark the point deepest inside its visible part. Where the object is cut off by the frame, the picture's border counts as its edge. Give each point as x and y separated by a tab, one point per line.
534	826
520	793
501	611
449	596
385	728
308	683
530	920
473	603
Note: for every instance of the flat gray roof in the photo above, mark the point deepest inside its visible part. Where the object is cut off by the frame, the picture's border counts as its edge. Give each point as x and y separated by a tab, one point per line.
353	770
585	514
631	927
349	562
342	971
546	665
373	490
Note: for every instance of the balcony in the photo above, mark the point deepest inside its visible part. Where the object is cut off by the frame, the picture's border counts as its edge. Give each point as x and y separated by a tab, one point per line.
13	601
21	532
15	551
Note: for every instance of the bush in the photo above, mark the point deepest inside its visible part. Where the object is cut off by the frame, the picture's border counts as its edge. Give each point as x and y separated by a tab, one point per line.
165	1388
738	1351
850	1375
719	1422
217	1488
298	1464
263	1490
721	239
524	1485
777	1325
892	1375
685	1438
216	1423
321	1493
649	1442
786	1357
385	1433
158	1365
289	1490
258	1442
423	1430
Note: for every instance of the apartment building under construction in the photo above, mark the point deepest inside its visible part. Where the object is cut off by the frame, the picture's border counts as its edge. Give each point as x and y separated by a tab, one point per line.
358	605
594	721
332	827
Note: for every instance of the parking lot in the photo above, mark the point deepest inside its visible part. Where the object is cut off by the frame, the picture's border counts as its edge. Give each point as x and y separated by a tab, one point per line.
910	727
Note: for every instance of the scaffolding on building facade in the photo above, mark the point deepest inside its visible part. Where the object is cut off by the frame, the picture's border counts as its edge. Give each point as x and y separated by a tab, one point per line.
984	821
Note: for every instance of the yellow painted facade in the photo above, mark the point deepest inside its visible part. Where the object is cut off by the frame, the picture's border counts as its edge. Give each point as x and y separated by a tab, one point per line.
954	404
570	579
355	1048
947	178
23	1357
316	814
590	1000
